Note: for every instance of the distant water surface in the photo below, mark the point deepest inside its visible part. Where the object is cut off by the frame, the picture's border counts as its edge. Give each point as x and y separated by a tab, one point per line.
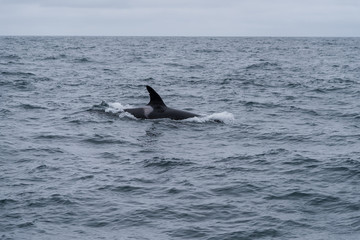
275	155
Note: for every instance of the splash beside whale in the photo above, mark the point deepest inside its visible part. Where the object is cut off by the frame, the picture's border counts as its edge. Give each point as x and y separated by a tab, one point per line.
156	108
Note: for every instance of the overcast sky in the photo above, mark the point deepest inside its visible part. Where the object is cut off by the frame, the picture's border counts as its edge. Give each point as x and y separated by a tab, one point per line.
181	17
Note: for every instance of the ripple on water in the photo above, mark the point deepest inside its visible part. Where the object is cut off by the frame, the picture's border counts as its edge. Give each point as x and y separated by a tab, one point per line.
28	106
125	189
166	163
100	139
52	200
236	190
7	201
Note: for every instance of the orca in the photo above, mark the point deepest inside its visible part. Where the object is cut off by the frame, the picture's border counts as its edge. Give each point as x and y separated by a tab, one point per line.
156	108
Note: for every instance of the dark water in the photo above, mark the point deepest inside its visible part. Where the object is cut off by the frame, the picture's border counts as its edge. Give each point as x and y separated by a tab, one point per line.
275	155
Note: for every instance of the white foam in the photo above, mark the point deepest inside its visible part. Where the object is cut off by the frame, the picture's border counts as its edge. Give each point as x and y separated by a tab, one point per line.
224	117
116	107
127	115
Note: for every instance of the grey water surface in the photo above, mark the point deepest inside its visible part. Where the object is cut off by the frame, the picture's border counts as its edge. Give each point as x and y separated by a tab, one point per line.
276	154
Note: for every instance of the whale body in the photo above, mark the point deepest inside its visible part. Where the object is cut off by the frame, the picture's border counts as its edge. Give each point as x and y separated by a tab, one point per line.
156	108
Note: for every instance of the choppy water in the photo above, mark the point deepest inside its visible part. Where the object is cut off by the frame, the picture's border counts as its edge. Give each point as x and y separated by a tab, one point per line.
276	155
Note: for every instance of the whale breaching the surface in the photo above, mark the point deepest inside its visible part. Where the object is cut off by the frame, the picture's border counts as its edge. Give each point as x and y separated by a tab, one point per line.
156	108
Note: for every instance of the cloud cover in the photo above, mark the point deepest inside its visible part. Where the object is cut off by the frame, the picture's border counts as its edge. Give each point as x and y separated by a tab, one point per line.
180	17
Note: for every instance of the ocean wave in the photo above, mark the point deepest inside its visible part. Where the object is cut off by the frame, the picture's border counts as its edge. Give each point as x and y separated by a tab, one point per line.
4	112
103	139
50	136
43	79
23	85
10	56
7	201
50	58
54	57
236	190
25	74
82	60
43	168
53	200
126	189
263	66
187	67
166	163
170	64
208	51
29	106
256	104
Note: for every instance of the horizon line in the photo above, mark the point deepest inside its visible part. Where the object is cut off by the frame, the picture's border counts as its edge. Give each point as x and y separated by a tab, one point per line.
184	36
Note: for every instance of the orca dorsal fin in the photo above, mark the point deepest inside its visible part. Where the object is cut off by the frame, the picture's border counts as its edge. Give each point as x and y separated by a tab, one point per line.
155	98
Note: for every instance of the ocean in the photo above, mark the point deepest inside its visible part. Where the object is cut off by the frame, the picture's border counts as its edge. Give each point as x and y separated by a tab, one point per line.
275	153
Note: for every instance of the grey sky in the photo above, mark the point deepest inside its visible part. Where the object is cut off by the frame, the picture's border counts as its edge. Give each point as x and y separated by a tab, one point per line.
181	17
